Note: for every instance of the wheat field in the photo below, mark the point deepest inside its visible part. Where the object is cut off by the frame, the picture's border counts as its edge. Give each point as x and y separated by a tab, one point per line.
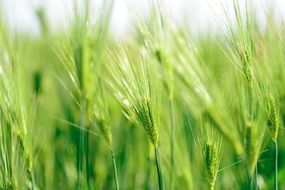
159	109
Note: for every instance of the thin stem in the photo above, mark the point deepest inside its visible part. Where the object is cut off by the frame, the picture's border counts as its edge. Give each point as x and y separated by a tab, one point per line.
32	179
253	184
81	147
276	165
87	160
172	138
115	170
78	167
158	168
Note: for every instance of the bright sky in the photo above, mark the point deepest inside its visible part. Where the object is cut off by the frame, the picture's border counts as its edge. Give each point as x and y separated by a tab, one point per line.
201	15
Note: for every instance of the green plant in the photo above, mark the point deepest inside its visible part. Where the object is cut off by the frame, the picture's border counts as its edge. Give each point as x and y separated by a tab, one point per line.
17	121
137	90
77	56
273	126
212	103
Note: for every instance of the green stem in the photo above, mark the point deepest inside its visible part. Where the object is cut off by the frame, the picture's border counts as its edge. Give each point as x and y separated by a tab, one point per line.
276	166
253	184
32	179
172	136
115	170
81	148
158	167
87	160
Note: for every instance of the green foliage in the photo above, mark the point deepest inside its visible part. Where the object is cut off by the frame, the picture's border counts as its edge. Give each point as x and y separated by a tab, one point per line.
82	109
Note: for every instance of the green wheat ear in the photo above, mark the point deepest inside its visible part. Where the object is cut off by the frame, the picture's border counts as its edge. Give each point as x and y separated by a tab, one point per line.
250	147
23	149
105	129
145	114
211	159
273	117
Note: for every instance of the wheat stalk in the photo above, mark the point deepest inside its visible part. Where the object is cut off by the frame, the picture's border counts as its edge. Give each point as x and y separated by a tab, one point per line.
167	81
78	56
101	117
273	123
136	90
16	124
198	83
242	50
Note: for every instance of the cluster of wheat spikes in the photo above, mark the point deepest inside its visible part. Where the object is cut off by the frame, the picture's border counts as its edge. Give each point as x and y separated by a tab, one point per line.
17	120
136	87
81	57
157	109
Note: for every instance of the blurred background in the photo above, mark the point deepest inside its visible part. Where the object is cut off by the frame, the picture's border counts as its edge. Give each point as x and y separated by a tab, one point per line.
200	15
